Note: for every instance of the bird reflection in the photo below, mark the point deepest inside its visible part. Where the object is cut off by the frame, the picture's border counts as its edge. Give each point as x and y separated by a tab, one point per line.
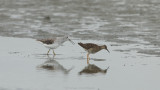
91	69
52	65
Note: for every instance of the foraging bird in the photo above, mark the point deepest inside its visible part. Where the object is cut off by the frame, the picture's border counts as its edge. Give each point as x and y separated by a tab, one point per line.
54	43
92	48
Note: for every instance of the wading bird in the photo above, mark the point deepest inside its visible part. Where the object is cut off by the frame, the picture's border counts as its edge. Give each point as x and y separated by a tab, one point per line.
92	48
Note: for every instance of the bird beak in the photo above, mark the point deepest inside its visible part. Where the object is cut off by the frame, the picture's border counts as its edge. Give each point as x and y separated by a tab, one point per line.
71	41
107	50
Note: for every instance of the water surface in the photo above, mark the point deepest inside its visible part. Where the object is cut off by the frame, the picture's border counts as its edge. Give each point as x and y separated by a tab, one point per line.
130	29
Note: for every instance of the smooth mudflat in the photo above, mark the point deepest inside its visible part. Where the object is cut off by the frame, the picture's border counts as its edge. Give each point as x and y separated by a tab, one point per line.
21	59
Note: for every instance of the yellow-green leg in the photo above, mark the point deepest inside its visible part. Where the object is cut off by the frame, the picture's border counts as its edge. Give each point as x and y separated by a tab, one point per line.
54	53
88	58
48	52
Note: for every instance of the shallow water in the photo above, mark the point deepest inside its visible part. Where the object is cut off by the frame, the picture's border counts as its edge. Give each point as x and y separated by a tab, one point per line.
130	29
126	22
23	67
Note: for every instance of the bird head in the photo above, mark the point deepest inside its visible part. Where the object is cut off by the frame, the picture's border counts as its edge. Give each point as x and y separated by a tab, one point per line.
105	47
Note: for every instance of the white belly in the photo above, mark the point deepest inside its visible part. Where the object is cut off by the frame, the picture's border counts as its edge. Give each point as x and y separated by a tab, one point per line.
51	46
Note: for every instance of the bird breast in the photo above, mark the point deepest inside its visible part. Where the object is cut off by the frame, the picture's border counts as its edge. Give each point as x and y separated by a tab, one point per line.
93	50
51	46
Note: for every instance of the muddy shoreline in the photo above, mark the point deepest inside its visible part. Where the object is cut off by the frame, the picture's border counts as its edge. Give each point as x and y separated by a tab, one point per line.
25	65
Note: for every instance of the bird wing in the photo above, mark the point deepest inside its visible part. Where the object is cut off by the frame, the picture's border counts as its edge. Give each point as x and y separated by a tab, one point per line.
87	45
47	41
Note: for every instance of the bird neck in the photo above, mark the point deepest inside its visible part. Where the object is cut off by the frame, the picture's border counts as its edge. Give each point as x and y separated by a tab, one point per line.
61	40
102	47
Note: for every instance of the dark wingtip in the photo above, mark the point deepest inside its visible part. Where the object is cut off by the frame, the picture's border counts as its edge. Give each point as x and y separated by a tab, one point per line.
38	40
79	43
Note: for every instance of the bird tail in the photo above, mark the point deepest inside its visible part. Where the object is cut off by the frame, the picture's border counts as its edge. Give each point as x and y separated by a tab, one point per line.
81	44
40	40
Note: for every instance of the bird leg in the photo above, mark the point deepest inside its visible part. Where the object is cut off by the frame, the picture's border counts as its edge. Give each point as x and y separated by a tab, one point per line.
48	52
54	53
88	58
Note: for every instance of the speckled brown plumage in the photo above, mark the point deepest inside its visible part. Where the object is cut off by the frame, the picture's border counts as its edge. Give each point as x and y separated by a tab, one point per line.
88	45
47	41
54	43
92	48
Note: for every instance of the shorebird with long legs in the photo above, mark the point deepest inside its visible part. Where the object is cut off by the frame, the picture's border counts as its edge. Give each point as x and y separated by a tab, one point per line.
52	44
92	48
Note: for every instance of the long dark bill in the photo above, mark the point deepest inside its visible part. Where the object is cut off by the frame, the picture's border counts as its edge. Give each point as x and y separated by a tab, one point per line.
107	50
71	41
